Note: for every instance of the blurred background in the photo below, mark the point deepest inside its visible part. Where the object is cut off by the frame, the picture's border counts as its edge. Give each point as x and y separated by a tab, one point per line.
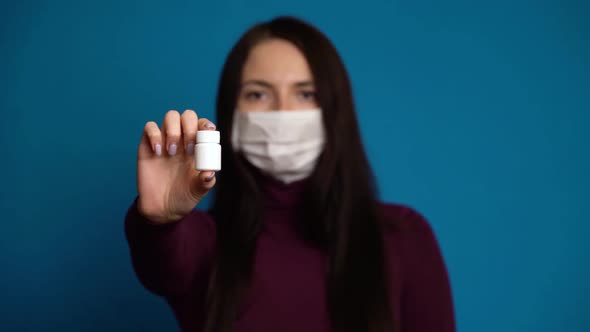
476	113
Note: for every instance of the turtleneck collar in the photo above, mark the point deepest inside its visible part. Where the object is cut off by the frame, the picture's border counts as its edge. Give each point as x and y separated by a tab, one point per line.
277	194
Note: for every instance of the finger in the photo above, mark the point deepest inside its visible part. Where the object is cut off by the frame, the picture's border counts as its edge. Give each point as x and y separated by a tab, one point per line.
172	132
189	122
201	183
154	137
205	124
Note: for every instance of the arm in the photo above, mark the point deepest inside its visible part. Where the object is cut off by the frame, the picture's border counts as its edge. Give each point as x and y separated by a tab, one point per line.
426	300
169	258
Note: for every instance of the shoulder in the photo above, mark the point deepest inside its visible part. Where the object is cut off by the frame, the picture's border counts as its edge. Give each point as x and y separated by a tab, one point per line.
407	230
400	218
418	269
409	237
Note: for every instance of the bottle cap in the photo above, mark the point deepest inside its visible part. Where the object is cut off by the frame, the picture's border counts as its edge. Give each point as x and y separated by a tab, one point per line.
207	136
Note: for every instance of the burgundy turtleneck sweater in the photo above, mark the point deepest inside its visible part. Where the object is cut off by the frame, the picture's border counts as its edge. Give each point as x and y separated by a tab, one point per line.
288	288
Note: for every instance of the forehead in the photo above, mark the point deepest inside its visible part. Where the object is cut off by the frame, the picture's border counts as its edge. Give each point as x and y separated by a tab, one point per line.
276	61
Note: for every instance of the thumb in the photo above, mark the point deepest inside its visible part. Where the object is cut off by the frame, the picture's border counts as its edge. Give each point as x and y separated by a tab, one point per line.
201	183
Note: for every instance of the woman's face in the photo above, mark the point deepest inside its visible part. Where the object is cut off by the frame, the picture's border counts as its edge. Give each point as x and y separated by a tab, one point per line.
276	76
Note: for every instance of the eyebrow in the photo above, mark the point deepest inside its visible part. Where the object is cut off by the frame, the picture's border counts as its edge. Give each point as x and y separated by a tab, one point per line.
268	85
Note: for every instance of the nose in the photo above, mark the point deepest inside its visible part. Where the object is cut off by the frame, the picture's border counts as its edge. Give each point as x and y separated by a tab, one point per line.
285	102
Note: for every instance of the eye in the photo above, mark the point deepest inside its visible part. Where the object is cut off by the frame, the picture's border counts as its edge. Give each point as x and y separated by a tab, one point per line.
307	95
254	95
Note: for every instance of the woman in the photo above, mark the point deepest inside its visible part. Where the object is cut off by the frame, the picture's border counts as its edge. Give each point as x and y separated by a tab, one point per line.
296	239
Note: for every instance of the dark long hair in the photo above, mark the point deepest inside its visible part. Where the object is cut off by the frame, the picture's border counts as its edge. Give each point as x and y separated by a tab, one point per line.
341	216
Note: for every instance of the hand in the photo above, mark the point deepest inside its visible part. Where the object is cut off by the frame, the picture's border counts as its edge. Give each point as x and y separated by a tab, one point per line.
169	186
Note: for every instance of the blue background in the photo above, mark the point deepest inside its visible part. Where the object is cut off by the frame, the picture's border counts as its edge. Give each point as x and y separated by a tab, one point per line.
474	112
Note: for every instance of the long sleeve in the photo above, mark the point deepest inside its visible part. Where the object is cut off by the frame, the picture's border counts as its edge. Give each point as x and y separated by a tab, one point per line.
426	300
168	259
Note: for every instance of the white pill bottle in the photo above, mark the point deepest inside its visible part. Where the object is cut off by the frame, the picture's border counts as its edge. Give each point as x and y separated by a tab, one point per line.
208	151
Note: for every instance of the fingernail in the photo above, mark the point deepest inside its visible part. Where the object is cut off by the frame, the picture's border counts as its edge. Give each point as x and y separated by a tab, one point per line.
190	148
172	149
209	125
158	150
210	178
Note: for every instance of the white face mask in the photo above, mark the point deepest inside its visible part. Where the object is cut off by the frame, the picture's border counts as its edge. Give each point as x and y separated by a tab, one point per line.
284	144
